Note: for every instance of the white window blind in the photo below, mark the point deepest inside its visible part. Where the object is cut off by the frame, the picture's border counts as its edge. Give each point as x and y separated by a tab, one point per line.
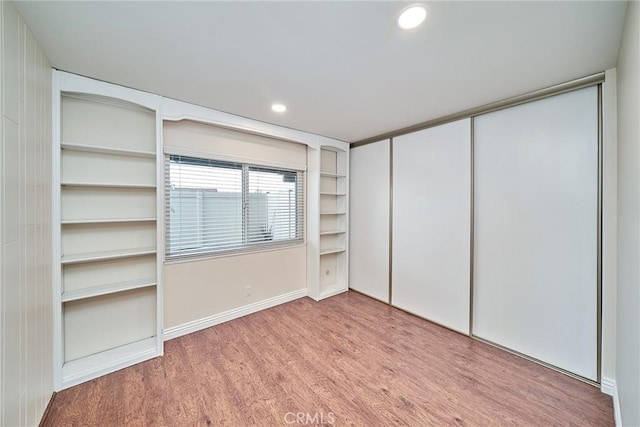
214	206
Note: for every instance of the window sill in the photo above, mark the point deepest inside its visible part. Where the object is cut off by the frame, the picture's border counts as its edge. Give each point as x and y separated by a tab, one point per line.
210	256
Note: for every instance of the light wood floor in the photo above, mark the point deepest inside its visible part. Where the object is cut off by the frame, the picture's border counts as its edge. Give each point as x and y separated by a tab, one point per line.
348	360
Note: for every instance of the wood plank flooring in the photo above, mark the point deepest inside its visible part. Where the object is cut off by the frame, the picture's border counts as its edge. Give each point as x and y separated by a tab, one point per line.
347	360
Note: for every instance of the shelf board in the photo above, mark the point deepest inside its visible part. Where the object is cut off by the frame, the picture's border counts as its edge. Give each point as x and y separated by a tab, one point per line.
106	255
107	150
325	193
104	221
106	185
330	232
85	368
332	289
332	175
333	213
331	251
111	288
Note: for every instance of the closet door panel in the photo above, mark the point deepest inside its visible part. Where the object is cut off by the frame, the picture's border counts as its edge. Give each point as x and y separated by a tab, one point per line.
369	227
535	265
431	224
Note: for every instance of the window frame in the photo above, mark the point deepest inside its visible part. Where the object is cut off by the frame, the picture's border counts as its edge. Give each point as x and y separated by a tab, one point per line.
246	246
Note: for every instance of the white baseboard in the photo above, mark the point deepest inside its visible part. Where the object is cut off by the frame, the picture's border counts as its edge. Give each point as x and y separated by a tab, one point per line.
607	385
610	387
106	362
216	319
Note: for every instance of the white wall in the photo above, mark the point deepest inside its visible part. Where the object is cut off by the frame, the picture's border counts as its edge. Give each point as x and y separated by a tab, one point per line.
201	290
26	349
628	292
197	290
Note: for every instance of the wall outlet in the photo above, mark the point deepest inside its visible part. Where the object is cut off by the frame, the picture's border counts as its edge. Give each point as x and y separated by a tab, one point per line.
247	291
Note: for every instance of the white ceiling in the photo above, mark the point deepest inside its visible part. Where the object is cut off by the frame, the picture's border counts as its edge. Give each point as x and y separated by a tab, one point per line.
343	68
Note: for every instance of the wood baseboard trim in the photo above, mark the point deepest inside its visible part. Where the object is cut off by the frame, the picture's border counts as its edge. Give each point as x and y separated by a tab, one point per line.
216	319
610	387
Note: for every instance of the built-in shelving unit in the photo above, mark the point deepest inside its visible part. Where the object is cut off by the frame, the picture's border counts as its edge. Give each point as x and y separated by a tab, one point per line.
333	221
107	239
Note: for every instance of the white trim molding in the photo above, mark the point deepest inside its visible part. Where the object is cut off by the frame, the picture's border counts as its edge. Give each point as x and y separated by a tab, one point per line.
610	387
106	362
174	110
225	316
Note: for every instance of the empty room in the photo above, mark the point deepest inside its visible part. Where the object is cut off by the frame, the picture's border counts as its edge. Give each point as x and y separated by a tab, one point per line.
344	213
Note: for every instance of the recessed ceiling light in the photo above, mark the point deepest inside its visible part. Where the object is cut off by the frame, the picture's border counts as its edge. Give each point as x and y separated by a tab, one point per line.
279	108
412	16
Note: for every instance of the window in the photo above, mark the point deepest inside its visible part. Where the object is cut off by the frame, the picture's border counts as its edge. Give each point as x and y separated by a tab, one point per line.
214	206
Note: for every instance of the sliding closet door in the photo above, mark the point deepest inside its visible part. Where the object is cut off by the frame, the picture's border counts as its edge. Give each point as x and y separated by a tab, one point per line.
369	216
431	223
535	230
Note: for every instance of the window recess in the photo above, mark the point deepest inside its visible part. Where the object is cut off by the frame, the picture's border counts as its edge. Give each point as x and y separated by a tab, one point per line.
217	207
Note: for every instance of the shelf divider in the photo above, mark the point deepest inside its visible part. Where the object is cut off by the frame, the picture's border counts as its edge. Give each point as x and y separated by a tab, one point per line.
106	255
111	288
332	175
107	150
105	221
328	251
331	232
106	185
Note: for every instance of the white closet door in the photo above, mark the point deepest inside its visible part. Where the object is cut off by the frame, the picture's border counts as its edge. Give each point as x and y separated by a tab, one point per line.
369	216
535	265
431	223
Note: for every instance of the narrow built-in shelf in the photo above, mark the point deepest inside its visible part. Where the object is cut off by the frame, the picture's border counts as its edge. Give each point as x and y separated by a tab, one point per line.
328	251
106	255
324	193
79	370
330	232
106	185
104	221
111	288
107	150
332	175
333	213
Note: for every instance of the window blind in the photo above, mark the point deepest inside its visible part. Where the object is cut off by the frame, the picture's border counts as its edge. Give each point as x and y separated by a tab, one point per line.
216	207
195	139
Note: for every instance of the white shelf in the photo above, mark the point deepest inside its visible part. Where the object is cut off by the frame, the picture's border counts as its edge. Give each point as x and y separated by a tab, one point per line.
106	255
107	150
104	221
333	213
332	175
331	251
331	232
332	289
111	288
324	193
106	185
89	367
